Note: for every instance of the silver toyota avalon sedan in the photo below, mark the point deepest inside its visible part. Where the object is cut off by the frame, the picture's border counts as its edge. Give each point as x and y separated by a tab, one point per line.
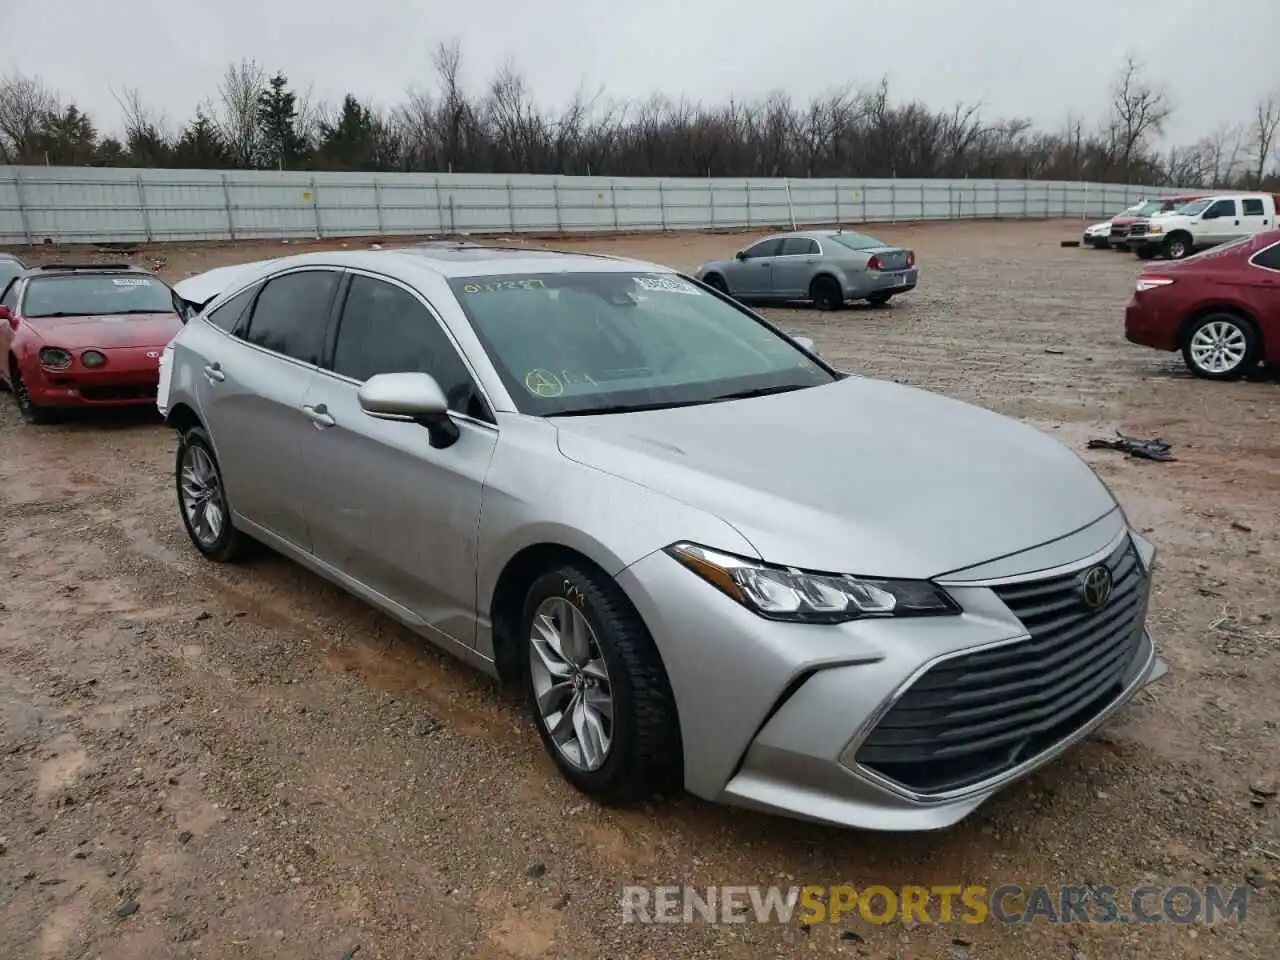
711	560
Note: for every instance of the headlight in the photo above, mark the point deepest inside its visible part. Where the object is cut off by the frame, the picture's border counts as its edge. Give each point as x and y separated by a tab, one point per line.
55	358
784	593
93	358
1154	229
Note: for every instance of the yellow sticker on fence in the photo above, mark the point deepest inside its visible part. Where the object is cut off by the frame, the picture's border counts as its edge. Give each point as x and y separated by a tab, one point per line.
306	196
543	383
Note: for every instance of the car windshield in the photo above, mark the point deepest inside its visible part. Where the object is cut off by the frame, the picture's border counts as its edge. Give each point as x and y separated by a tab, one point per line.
95	295
1194	207
856	241
1146	208
583	343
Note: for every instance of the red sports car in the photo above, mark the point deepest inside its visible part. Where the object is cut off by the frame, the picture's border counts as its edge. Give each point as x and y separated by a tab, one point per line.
84	336
1221	308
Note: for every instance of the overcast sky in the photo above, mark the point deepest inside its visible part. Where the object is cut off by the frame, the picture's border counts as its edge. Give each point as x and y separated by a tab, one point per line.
1031	58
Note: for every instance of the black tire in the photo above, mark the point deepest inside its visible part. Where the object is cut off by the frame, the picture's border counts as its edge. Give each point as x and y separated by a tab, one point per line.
230	544
716	282
644	757
1230	328
826	293
32	413
1145	253
1178	246
879	298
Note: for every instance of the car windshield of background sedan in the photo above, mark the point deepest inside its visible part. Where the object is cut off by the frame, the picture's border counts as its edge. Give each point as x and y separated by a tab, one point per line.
594	343
95	295
856	241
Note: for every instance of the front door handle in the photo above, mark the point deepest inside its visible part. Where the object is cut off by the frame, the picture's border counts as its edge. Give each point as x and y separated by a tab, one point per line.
214	372
319	415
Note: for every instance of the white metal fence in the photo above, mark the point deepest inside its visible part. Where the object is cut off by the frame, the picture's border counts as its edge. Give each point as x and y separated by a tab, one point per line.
77	204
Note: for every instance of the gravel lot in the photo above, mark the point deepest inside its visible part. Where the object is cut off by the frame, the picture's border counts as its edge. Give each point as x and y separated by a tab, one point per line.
204	761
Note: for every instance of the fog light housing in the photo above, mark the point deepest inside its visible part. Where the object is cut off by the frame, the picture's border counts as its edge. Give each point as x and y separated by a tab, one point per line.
93	358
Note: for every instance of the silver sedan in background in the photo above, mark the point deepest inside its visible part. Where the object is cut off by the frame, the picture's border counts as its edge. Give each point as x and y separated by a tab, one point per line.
825	267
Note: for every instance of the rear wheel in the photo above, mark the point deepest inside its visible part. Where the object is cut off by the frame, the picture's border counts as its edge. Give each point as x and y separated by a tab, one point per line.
826	294
202	499
1221	346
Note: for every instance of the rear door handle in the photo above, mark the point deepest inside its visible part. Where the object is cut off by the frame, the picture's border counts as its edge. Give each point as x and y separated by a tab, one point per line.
214	372
319	415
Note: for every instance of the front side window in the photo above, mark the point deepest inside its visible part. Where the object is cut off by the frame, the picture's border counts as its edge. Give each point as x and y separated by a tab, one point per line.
581	343
385	329
88	295
290	314
1222	208
765	248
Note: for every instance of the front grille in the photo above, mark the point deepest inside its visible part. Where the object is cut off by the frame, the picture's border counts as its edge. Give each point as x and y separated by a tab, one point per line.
981	714
135	392
1138	230
1118	231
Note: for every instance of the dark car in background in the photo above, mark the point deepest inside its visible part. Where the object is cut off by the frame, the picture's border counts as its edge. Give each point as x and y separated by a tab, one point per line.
1220	308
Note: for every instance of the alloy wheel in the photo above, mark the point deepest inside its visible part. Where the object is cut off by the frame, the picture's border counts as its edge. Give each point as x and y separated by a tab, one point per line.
1219	347
203	500
571	684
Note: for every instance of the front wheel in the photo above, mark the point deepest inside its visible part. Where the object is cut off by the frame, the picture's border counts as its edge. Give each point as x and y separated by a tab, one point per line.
1177	247
31	412
1221	346
202	499
826	294
597	688
716	282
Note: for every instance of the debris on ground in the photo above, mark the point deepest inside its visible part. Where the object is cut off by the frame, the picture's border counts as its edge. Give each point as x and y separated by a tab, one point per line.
1155	449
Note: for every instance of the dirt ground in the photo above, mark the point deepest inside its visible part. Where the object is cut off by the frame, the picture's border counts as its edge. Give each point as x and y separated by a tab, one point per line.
207	761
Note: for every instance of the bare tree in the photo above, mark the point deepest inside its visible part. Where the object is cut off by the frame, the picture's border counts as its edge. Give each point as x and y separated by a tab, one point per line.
1138	110
25	103
1220	155
454	109
237	115
1266	120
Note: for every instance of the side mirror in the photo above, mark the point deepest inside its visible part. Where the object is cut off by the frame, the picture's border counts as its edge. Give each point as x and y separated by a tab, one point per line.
412	398
740	255
806	344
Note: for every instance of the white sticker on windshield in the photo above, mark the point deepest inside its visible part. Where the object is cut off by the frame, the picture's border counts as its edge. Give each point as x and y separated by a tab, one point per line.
666	284
132	282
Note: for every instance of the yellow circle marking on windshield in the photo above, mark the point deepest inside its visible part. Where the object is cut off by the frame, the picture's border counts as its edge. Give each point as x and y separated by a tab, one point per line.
543	383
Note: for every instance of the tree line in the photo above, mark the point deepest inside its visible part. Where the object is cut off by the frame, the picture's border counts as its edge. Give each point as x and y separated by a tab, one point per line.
257	120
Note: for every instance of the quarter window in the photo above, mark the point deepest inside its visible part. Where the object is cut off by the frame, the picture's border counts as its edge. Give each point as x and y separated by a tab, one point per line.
227	317
385	329
1269	258
291	313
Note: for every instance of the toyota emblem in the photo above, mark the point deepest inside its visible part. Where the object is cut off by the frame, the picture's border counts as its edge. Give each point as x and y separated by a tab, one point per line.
1096	586
153	354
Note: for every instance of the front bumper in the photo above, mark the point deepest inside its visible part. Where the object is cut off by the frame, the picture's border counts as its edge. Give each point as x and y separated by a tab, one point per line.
773	714
128	380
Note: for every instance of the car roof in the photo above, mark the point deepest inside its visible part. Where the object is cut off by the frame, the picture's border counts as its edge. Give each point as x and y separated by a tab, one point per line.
464	260
78	269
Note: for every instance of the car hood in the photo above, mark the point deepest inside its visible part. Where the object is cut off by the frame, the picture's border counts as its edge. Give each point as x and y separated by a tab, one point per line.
108	332
859	476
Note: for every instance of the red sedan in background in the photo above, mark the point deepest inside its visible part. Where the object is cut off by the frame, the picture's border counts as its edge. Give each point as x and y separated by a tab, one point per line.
1221	308
84	336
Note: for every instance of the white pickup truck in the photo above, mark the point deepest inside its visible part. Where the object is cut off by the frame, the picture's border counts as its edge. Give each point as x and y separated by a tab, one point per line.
1204	223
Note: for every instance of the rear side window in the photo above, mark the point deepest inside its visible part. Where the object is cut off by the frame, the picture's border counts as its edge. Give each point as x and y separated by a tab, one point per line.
1269	258
1252	207
385	329
227	317
291	312
797	246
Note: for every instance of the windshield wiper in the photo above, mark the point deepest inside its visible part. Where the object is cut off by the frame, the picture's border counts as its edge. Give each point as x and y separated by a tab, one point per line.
757	392
59	313
625	408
